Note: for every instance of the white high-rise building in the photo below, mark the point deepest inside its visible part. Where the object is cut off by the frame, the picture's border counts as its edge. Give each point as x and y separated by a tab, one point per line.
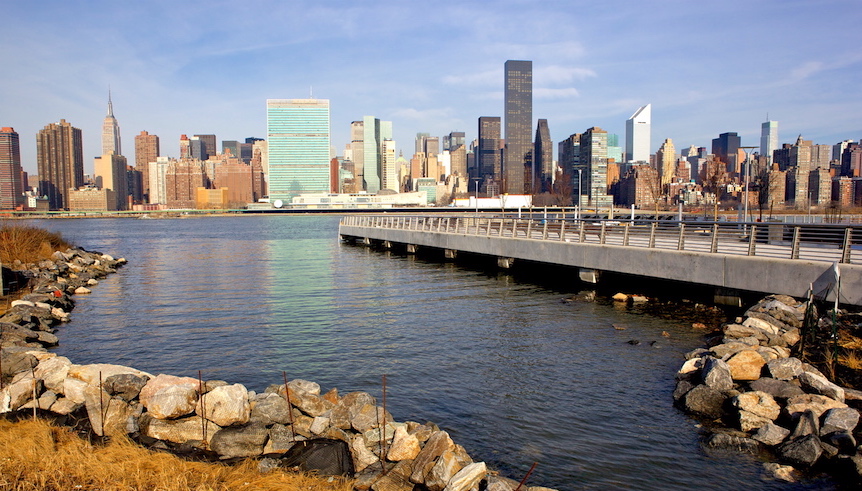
768	139
638	135
298	144
111	132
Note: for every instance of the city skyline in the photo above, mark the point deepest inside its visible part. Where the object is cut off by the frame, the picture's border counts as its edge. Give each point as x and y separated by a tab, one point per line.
170	75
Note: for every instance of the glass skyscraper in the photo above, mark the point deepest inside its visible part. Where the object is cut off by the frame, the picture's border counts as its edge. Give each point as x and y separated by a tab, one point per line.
298	141
518	124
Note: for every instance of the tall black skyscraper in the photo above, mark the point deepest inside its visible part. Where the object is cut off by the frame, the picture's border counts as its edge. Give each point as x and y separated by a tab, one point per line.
488	156
725	147
518	124
543	158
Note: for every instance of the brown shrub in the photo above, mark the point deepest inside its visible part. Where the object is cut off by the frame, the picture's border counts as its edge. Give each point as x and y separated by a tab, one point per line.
28	244
37	456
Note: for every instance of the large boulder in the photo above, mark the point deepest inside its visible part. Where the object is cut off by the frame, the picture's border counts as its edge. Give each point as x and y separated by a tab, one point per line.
746	365
705	401
226	405
785	368
776	388
716	374
172	402
450	462
771	434
819	384
468	477
802	451
843	419
53	372
110	416
191	429
404	446
126	386
437	443
816	403
159	382
756	409
269	408
245	441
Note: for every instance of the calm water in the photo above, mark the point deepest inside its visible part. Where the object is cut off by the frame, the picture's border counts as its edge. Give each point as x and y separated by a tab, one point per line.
514	374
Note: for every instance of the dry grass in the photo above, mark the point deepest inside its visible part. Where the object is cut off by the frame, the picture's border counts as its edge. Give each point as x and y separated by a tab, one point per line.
35	455
28	244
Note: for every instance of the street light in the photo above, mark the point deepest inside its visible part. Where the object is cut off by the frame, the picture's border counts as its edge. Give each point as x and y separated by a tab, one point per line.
580	199
747	177
477	179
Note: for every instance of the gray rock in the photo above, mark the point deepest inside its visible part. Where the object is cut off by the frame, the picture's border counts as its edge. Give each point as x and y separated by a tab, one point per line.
724	350
126	386
682	388
802	451
840	419
268	409
724	441
756	409
246	441
777	324
807	424
775	470
499	483
716	374
172	402
771	434
468	477
785	368
705	401
16	360
843	441
814	402
776	388
819	384
226	405
435	446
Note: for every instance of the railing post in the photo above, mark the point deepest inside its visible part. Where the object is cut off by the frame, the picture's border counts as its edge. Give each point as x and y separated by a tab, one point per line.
602	233
680	245
502	226
652	235
713	248
626	234
488	228
562	229
848	242
582	232
530	228
752	236
794	248
515	221
545	230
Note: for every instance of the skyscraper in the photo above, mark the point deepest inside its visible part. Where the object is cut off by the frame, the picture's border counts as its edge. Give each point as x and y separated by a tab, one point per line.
768	139
110	172
111	132
488	158
543	157
60	161
518	124
146	151
209	143
638	135
593	162
11	185
374	133
665	159
298	142
726	149
455	144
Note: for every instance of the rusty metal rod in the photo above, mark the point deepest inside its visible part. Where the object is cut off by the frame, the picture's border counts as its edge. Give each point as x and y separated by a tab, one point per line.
289	407
532	467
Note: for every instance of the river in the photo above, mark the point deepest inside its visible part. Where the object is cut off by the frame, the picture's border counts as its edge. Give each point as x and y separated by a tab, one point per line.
514	374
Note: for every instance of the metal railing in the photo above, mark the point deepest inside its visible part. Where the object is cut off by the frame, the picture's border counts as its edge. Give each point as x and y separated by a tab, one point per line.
813	242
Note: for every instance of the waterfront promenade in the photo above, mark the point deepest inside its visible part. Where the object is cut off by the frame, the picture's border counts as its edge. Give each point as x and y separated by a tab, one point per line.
758	257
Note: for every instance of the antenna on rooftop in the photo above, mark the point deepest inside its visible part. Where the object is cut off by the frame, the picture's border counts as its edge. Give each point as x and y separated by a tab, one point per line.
311	92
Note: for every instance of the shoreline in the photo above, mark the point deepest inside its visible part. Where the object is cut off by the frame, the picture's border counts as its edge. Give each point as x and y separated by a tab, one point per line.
216	418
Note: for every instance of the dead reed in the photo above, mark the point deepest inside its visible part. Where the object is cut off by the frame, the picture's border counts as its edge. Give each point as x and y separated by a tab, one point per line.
38	456
28	244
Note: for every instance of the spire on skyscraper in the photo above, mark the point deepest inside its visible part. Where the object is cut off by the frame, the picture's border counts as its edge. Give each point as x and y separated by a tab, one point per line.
110	105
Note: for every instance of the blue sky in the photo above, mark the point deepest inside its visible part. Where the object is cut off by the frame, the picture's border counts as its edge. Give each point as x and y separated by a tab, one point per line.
208	66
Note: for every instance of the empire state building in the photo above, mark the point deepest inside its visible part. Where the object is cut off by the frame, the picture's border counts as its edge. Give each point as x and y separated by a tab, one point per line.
111	132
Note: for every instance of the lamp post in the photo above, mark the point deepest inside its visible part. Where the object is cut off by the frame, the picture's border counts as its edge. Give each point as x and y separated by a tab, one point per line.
747	177
580	199
477	179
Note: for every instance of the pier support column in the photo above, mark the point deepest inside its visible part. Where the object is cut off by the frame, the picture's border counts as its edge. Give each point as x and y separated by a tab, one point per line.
727	296
450	253
411	248
387	244
505	262
589	275
366	241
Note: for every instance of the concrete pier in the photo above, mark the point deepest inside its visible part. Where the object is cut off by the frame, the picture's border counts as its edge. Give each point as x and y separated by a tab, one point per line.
769	258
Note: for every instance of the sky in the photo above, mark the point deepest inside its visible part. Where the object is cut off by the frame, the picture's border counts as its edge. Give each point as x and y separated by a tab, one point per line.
208	67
